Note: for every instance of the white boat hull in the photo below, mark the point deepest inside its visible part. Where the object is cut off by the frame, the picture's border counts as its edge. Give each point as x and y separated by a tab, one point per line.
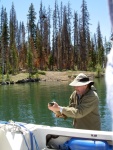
17	136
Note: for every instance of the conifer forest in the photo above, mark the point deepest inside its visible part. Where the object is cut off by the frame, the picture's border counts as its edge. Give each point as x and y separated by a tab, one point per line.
58	39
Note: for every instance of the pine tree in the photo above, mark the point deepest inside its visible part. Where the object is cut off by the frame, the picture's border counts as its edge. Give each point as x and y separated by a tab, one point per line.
31	22
76	41
4	40
31	17
13	53
100	47
84	30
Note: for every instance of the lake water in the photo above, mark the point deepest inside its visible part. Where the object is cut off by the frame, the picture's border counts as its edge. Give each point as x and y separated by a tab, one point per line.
28	103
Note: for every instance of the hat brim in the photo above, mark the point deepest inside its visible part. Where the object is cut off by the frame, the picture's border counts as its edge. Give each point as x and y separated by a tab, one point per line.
76	83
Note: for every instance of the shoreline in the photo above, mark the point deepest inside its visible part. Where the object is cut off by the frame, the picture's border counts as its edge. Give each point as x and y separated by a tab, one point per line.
54	75
48	76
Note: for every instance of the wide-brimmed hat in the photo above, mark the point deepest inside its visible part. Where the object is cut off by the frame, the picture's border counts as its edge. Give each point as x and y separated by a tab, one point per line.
81	80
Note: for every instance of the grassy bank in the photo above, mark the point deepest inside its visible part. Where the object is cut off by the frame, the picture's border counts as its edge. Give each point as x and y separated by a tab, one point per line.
49	75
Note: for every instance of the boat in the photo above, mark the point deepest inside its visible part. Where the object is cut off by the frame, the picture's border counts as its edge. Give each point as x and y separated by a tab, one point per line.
27	136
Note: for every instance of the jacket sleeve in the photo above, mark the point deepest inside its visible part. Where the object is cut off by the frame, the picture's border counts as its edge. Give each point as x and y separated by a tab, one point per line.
88	104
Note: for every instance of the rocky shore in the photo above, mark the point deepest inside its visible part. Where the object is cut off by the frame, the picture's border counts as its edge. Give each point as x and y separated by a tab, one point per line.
54	75
49	76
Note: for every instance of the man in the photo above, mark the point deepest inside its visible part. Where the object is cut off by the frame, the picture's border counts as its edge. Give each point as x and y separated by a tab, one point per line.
83	105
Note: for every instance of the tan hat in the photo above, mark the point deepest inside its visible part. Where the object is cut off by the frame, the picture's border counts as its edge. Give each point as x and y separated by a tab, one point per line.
81	80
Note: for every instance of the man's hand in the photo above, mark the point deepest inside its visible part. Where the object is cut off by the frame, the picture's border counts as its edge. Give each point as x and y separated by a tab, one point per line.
59	115
54	108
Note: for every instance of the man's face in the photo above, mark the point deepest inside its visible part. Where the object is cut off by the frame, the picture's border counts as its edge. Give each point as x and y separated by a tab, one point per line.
80	89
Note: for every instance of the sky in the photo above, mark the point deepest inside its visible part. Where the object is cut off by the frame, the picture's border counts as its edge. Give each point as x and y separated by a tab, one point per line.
98	10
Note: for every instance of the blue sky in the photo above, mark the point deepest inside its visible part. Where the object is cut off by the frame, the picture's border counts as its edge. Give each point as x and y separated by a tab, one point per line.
98	10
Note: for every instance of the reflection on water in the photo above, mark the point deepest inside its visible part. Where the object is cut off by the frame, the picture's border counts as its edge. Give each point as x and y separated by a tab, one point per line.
104	110
28	103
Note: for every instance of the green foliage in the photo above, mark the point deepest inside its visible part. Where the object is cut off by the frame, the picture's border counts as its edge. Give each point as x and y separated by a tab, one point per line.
51	60
32	76
90	66
98	70
30	57
30	62
41	72
10	70
65	53
0	77
36	75
0	70
31	21
8	77
75	68
15	60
